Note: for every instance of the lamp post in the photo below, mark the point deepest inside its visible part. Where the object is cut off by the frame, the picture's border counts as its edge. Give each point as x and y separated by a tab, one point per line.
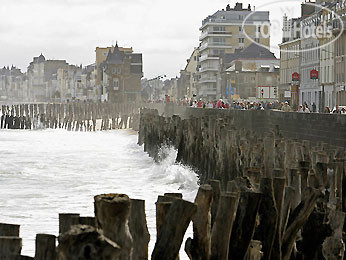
156	81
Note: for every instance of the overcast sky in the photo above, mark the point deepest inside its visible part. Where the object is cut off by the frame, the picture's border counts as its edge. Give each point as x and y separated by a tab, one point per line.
164	31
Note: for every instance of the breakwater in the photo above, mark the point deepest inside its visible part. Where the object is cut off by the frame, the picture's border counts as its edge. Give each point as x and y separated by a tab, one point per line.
73	116
287	168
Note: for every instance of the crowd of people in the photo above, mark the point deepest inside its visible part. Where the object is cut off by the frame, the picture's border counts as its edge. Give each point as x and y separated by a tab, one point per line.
248	105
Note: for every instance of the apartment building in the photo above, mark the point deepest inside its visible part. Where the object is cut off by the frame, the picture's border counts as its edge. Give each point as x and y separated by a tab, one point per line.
222	33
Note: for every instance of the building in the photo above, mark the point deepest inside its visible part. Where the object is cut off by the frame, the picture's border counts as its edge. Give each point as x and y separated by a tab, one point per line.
290	61
101	56
250	71
187	82
222	33
41	73
340	54
122	72
309	61
327	62
12	84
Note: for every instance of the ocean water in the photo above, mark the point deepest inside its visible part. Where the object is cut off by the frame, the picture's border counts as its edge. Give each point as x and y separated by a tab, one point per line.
47	172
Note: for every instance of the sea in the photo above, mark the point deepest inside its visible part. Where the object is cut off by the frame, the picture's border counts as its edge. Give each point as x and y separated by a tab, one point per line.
47	172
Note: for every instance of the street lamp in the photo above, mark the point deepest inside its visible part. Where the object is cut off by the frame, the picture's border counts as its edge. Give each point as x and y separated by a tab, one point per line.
157	79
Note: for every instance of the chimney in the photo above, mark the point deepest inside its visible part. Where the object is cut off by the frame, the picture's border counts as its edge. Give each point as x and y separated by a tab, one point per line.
238	7
228	8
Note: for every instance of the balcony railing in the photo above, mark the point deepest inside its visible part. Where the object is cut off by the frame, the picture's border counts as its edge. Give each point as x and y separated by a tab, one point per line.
210	68
215	45
214	33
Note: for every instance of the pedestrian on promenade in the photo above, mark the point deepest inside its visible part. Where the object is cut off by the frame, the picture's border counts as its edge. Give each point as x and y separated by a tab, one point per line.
286	107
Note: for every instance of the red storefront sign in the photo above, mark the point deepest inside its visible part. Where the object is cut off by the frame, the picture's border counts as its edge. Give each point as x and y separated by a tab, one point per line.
313	74
295	76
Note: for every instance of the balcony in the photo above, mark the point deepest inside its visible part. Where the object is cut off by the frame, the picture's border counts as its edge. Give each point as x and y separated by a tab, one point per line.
208	57
214	33
204	69
208	80
220	45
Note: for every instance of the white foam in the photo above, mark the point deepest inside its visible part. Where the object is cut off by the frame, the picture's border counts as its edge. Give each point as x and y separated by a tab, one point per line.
46	172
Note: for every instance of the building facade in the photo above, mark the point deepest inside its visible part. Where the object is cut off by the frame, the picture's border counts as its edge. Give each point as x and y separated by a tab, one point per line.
121	76
222	33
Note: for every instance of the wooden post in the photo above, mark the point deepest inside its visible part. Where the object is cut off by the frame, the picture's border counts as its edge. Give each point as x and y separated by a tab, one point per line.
90	221
45	247
86	243
222	228
9	230
297	219
244	224
10	245
139	230
175	195
112	214
199	246
66	221
171	236
279	190
268	214
215	184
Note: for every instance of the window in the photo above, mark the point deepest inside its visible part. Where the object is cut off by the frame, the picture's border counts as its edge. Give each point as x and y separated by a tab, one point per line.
241	40
116	84
240	28
257	40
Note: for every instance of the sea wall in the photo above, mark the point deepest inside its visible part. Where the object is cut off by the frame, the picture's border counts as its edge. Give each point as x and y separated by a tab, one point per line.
294	162
225	144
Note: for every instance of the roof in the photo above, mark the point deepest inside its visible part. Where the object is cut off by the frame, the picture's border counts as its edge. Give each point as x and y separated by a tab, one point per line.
253	51
115	57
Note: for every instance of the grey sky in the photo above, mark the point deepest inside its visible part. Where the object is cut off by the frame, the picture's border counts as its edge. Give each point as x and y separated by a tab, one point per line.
164	31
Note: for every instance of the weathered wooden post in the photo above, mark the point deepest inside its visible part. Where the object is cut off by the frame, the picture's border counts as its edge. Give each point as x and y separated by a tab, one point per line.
45	247
297	219
171	236
139	230
244	224
215	184
9	230
112	214
86	243
222	229
10	245
268	214
90	221
66	221
199	246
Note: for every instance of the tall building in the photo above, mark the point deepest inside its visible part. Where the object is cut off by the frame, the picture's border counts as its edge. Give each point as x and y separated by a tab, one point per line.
121	76
101	56
222	33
